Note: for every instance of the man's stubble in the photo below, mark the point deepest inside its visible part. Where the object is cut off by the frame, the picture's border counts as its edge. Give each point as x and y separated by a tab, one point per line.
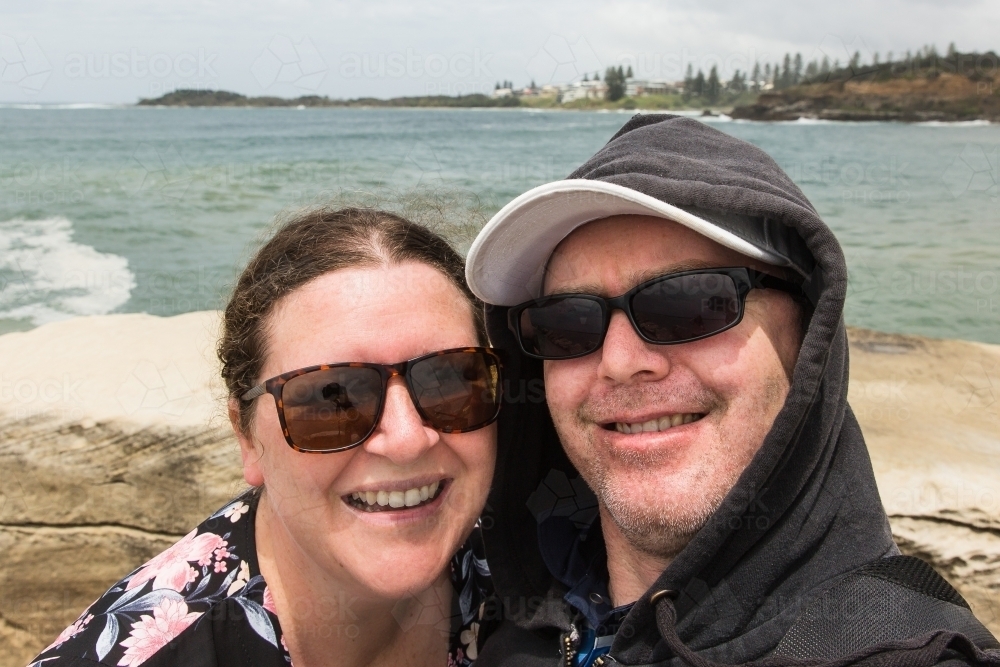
652	519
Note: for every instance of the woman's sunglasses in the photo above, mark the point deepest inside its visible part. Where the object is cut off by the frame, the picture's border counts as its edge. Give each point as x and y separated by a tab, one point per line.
333	407
675	308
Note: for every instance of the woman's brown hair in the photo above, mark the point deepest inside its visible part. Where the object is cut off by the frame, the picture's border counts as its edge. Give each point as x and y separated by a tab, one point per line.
312	243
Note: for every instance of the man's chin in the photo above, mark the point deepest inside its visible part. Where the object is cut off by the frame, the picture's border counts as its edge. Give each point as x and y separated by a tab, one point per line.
653	521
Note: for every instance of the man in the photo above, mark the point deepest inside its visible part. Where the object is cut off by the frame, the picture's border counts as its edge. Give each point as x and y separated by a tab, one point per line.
682	302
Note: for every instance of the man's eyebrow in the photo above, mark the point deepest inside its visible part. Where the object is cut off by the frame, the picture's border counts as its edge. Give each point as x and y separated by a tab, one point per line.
655	272
638	277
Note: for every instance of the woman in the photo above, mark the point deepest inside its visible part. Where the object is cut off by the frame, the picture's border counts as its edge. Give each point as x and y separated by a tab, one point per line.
363	404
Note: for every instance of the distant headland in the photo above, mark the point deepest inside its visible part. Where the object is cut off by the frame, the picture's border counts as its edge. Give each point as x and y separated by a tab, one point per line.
924	86
917	88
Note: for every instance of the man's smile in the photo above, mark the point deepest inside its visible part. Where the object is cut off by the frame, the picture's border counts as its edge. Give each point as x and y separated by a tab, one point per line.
654	424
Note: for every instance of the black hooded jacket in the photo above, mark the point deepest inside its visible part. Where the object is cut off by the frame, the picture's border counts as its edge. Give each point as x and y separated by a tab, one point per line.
798	565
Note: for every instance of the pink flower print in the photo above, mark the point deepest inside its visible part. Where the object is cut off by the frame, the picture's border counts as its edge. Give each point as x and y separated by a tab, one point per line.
236	511
222	554
269	601
220	566
170	569
151	633
72	631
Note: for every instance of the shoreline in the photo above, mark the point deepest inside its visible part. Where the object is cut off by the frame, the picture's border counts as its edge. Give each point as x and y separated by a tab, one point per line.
116	442
721	114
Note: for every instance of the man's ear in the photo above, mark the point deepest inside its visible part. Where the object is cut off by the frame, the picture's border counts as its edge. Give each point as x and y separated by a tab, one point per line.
250	452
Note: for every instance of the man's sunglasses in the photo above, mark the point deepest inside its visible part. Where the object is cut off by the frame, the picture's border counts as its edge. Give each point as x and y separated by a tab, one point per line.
333	407
675	308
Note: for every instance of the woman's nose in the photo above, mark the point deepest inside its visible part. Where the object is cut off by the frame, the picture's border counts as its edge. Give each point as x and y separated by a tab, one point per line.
401	435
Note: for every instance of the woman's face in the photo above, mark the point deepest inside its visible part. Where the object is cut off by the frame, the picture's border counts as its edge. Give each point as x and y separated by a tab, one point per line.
380	315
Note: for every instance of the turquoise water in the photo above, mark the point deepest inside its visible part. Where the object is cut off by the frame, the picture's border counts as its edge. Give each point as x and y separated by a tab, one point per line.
152	210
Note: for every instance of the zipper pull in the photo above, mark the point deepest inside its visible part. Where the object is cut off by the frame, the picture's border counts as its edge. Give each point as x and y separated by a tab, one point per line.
570	645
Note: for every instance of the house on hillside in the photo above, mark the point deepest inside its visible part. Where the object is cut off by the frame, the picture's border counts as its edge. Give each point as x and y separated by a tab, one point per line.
549	90
584	90
641	87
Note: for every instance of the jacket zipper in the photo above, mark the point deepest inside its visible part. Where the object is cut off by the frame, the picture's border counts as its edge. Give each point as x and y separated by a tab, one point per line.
570	641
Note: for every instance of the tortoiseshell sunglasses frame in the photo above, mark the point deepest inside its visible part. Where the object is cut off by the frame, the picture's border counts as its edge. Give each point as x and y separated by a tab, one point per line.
275	385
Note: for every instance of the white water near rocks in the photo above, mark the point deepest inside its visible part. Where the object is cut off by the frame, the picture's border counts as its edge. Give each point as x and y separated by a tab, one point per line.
47	276
158	207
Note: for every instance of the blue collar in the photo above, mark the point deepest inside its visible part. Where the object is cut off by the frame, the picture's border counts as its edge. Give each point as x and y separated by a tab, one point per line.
575	556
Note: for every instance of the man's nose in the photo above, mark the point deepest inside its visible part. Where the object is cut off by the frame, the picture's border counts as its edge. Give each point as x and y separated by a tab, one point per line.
401	435
627	358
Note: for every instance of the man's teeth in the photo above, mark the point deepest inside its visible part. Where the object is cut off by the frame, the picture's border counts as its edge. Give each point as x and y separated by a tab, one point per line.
396	499
661	424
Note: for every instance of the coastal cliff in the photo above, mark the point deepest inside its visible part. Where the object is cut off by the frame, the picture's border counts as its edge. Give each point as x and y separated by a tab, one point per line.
114	444
957	87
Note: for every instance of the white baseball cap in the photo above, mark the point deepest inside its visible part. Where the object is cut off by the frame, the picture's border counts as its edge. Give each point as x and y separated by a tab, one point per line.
507	261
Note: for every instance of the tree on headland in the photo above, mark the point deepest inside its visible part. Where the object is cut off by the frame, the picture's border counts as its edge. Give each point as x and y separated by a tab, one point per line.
615	80
737	84
712	86
755	77
689	81
699	84
628	74
785	79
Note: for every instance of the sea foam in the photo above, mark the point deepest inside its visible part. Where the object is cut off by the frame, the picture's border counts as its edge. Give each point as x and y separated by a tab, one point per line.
46	276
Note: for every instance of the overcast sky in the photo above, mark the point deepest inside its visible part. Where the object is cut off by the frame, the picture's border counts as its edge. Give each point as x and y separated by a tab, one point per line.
121	50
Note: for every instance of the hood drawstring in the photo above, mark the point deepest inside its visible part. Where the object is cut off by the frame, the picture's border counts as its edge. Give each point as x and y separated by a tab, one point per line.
921	652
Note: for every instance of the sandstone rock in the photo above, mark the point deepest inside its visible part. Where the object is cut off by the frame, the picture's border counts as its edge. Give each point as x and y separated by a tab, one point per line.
930	412
114	443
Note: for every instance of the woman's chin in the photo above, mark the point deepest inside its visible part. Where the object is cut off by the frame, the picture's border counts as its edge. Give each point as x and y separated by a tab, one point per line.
400	575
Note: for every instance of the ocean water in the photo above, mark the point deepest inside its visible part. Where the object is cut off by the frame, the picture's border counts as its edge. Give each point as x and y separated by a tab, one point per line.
154	210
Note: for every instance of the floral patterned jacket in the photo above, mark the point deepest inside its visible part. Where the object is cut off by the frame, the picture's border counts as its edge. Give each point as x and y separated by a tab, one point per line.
204	603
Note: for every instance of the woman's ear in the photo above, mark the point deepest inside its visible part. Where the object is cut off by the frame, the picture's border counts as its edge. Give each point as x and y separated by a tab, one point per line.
250	452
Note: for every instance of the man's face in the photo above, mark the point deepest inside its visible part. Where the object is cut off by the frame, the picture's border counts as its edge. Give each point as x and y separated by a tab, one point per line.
660	484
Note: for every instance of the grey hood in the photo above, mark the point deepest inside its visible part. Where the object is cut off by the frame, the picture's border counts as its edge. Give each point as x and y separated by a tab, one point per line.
806	510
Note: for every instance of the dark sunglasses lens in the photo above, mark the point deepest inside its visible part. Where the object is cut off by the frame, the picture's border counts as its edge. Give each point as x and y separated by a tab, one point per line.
564	327
686	307
331	409
458	391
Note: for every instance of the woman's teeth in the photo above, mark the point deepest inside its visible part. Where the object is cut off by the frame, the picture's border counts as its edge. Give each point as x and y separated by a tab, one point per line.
380	501
661	424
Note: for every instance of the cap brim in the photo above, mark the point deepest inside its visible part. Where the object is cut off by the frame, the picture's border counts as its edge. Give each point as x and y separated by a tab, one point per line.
506	263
